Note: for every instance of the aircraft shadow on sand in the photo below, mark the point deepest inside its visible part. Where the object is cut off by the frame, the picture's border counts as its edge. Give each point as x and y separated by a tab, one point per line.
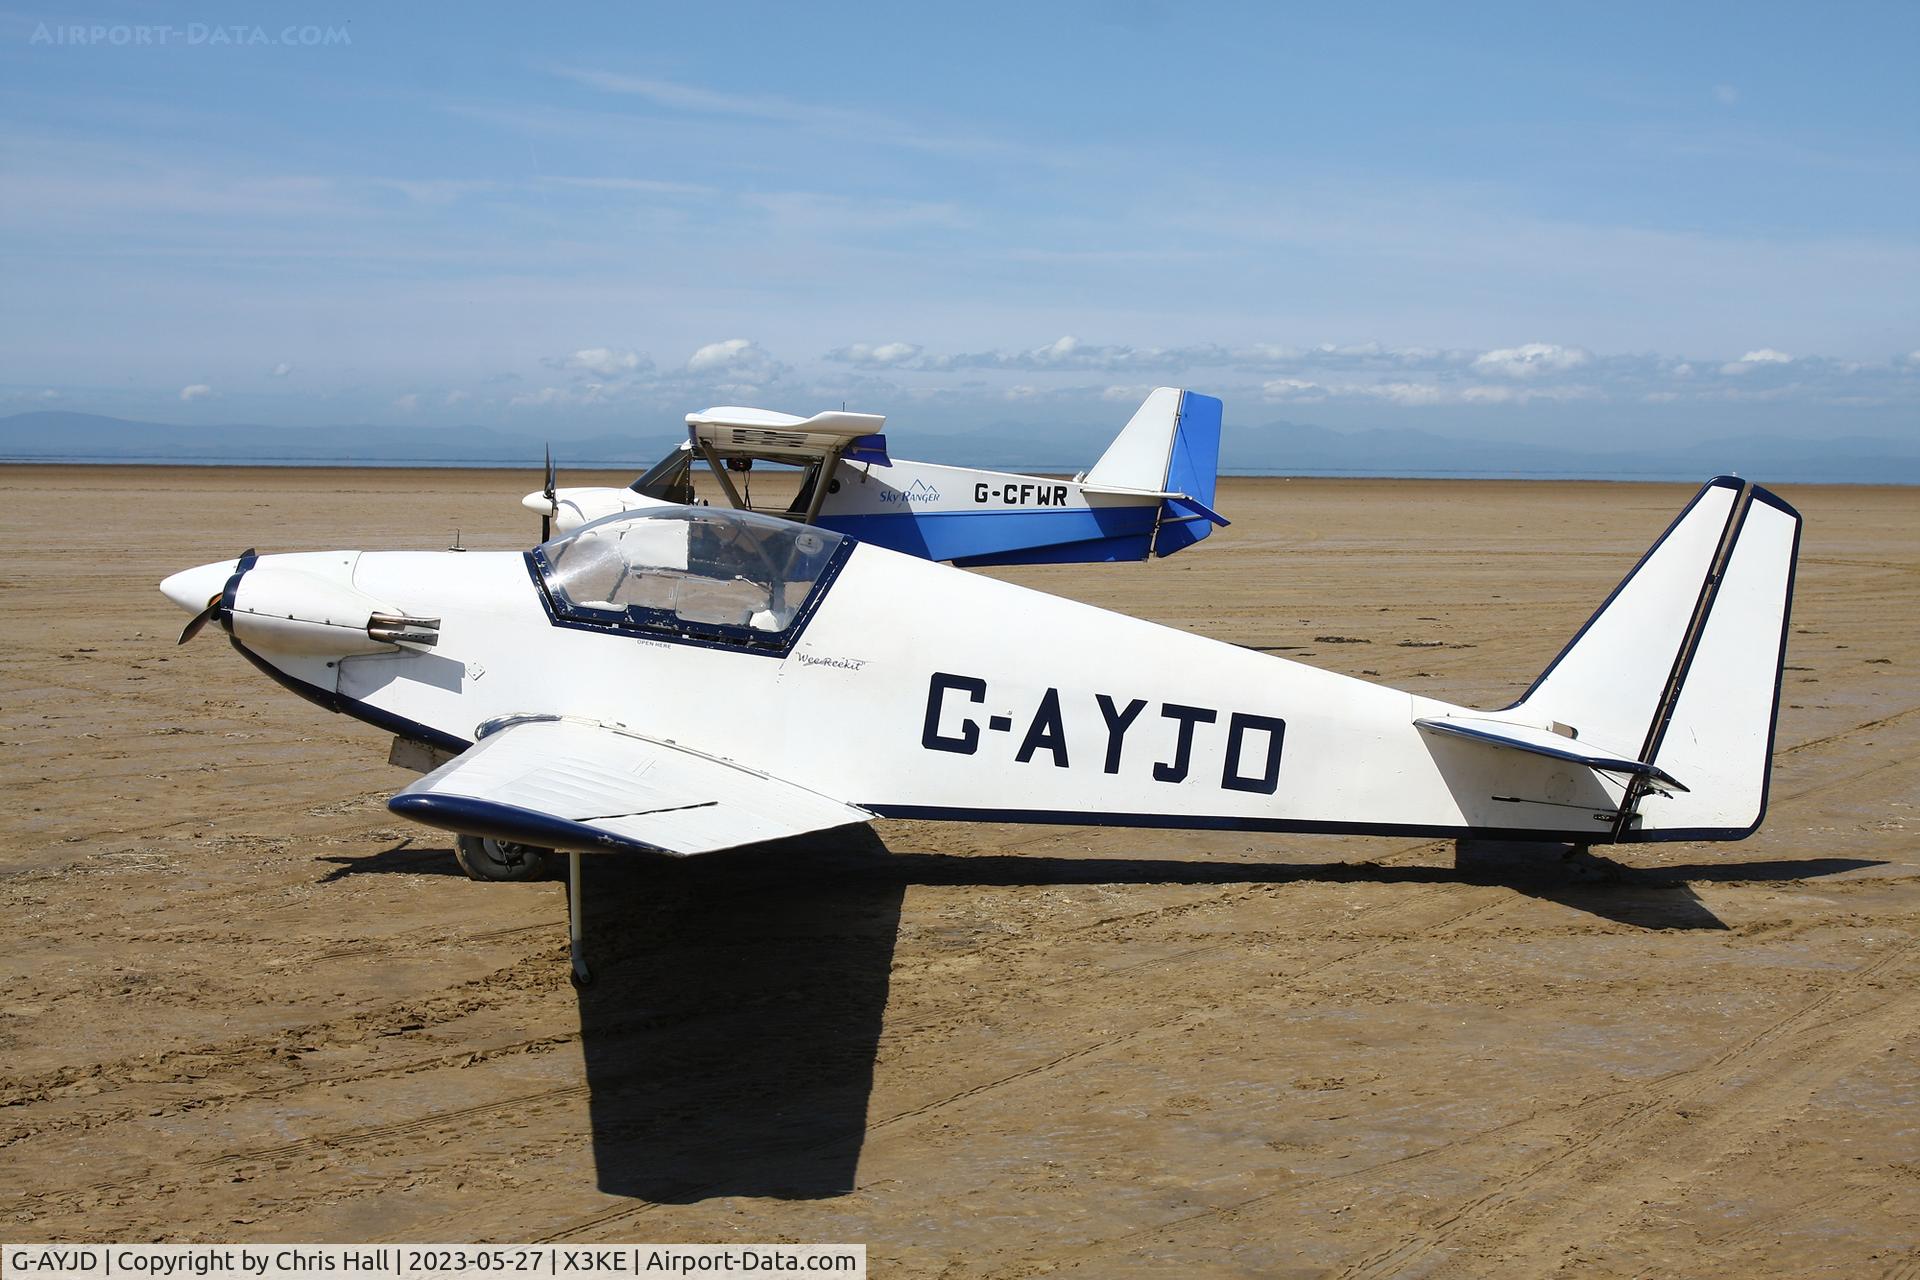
731	1033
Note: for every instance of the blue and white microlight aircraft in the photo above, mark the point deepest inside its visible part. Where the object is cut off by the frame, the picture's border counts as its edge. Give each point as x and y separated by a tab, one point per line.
1151	492
678	680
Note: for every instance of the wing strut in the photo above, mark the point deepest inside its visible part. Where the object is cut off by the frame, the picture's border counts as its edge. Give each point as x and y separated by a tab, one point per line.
708	452
821	483
576	923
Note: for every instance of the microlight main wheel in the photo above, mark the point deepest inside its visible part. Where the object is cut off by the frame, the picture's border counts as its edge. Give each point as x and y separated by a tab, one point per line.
484	858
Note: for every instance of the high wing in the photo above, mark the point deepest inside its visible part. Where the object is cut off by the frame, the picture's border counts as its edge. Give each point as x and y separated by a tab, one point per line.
572	784
734	431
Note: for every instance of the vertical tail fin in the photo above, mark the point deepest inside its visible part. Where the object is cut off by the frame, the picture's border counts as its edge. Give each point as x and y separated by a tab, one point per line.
1171	446
1681	666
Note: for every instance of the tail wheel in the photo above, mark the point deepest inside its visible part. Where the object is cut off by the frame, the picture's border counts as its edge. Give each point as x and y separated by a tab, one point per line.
484	858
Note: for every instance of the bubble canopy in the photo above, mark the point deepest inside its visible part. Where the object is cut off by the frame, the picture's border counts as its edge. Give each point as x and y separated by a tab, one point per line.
693	572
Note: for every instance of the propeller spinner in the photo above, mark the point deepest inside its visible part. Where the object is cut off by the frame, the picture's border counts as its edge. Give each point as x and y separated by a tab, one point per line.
208	582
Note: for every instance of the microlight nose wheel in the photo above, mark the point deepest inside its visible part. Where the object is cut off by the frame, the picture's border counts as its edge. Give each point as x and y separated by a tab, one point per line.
484	858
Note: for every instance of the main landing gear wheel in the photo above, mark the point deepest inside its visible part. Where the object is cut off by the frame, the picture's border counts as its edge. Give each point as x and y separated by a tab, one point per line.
484	858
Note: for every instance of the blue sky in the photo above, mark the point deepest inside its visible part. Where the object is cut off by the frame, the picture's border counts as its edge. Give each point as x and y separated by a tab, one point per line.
1626	223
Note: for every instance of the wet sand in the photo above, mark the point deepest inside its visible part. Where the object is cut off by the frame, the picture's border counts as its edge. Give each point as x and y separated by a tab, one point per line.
242	1001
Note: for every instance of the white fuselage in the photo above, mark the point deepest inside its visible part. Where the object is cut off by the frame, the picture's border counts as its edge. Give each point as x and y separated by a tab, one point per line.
916	690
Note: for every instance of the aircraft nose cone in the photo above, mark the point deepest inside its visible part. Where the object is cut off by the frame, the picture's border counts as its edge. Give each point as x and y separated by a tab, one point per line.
192	588
539	504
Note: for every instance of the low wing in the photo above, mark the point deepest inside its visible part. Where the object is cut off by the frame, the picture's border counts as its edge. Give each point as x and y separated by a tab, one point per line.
1544	742
567	784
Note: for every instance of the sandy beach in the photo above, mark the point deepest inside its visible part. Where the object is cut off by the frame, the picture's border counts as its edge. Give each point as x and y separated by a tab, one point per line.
244	1002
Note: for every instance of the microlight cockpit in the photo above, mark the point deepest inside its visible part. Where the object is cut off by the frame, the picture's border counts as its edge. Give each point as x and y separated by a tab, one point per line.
702	574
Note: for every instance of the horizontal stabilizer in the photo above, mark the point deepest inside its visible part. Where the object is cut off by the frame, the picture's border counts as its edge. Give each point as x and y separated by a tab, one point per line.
1544	742
568	784
1180	506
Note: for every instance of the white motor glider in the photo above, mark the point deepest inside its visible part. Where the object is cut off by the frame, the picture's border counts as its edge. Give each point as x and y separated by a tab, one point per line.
1151	492
679	680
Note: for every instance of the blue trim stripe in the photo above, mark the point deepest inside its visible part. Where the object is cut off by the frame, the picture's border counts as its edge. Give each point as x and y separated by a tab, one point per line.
1215	822
1007	537
1290	826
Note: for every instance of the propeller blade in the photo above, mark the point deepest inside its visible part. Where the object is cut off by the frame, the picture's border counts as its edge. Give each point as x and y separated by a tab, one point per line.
546	518
199	620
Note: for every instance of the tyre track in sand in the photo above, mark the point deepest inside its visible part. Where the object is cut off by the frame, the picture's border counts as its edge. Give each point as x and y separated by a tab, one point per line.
1631	1106
1605	1154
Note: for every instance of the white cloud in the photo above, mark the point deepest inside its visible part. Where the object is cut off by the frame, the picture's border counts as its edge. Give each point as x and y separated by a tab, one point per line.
868	355
1525	395
49	394
735	367
1413	394
1055	352
457	397
604	361
1268	353
196	391
1725	94
1756	359
1069	353
1531	359
1293	389
1405	393
281	370
1126	395
732	353
408	402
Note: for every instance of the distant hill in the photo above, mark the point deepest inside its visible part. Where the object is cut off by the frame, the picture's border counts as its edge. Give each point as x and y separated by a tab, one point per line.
49	435
1277	448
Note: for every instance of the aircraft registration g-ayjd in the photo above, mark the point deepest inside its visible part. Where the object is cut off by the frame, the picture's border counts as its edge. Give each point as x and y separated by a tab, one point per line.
1151	492
678	680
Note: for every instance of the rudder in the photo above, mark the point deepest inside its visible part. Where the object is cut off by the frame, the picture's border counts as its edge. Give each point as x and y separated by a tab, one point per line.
1193	468
1719	729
